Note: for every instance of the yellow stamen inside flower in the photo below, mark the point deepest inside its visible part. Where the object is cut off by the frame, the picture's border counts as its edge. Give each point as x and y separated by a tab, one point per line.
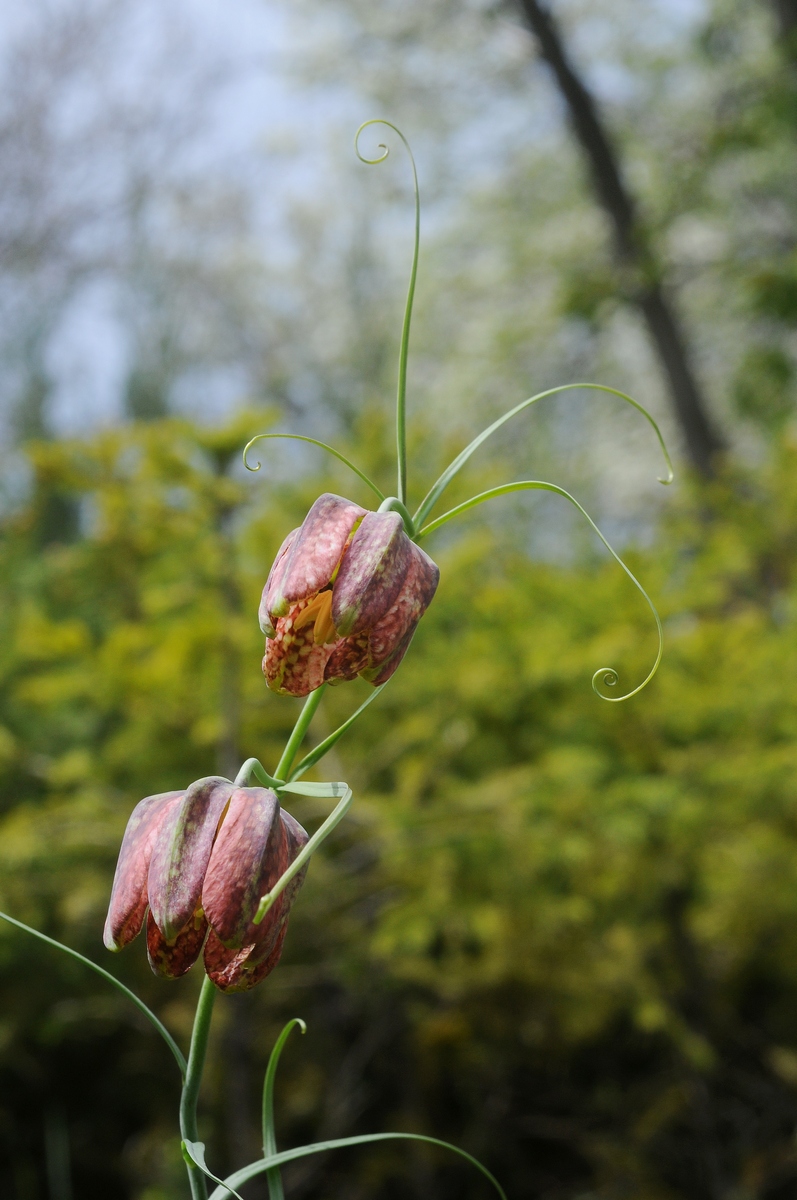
319	610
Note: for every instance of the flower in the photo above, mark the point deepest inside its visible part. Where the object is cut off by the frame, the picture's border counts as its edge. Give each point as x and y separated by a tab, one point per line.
201	860
343	598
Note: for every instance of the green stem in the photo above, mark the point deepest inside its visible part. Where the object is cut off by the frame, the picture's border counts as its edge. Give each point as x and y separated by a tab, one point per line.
299	730
193	1080
393	504
251	767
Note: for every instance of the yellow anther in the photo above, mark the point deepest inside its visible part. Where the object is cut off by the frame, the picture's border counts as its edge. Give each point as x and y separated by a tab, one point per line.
318	610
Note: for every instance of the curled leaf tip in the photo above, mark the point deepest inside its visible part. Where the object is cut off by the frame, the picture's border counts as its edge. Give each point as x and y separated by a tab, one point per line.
247	448
609	678
300	437
605	675
380	145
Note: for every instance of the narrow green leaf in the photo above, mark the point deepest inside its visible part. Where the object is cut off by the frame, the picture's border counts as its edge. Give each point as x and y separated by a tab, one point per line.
605	675
140	1005
196	1154
326	791
251	767
269	1136
401	395
318	752
315	841
298	437
278	1160
442	483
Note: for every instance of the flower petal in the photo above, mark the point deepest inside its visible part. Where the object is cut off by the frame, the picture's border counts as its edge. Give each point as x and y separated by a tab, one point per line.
181	853
371	574
266	624
263	937
172	959
309	562
233	971
128	902
239	868
349	657
239	969
389	640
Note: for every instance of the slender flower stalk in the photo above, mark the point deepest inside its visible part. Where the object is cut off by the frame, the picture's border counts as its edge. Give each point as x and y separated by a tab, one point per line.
299	732
193	1080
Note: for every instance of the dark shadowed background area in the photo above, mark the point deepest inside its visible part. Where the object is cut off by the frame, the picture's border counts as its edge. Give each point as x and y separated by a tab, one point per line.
558	932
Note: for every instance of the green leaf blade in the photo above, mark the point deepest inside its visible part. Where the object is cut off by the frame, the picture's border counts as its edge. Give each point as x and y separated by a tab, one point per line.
277	1160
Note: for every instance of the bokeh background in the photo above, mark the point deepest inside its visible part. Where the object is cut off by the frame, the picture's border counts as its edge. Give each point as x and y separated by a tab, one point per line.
558	932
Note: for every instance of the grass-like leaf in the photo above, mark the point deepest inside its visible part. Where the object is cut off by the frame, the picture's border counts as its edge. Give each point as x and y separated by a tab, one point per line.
195	1152
327	791
605	675
140	1005
442	483
298	437
278	1160
273	1176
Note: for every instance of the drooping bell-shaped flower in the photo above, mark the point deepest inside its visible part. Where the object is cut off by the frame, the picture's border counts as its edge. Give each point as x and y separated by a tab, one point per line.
343	598
201	860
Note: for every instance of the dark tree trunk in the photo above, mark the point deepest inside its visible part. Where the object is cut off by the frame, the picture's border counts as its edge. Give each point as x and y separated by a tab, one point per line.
647	287
786	13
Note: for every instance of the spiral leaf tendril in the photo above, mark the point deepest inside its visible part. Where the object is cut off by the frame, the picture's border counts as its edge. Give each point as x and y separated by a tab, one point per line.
605	675
298	437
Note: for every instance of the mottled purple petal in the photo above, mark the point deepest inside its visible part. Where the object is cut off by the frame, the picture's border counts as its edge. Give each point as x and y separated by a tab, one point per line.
349	657
309	562
172	959
128	903
233	971
239	969
372	573
238	871
181	853
275	574
389	639
289	838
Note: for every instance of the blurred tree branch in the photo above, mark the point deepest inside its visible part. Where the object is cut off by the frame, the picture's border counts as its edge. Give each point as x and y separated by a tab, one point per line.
644	273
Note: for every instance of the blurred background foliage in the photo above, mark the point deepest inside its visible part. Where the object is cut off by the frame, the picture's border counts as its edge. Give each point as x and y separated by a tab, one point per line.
558	932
